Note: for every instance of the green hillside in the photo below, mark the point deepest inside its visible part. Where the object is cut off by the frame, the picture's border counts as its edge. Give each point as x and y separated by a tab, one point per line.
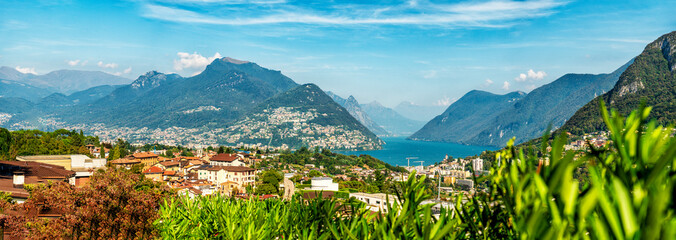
650	78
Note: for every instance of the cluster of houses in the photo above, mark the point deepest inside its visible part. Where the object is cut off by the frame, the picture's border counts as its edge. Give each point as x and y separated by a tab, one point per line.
224	173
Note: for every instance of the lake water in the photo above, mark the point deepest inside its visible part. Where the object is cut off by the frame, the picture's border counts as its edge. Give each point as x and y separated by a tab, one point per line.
397	149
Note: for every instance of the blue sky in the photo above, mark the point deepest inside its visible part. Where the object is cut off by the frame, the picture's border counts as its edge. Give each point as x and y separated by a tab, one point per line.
426	52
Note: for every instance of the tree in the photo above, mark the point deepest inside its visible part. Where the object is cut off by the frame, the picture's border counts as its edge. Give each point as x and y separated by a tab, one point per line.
116	204
221	149
270	184
5	143
315	173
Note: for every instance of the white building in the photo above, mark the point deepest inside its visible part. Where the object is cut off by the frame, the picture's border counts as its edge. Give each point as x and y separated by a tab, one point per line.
375	201
323	184
478	165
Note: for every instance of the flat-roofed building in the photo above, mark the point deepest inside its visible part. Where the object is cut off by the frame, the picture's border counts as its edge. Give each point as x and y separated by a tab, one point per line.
375	201
323	184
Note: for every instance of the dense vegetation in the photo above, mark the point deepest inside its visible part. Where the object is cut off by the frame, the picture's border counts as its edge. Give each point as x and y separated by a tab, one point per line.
628	196
651	79
330	160
115	204
36	142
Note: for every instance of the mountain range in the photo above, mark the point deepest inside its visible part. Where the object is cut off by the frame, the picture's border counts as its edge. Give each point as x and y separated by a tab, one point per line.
199	110
381	120
63	81
481	118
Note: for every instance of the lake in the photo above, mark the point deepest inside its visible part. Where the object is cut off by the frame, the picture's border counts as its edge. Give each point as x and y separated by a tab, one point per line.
397	149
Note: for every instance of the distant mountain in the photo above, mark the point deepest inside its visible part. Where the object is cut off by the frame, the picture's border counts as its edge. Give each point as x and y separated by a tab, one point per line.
303	116
418	112
225	91
10	88
92	94
353	107
466	117
390	120
9	73
552	103
13	105
63	81
140	86
524	119
650	78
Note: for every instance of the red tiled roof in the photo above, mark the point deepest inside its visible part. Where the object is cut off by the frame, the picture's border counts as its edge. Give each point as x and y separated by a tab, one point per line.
153	169
169	163
125	161
224	157
144	155
169	173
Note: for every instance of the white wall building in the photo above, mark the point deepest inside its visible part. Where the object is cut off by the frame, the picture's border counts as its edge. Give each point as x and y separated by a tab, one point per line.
375	201
323	184
478	165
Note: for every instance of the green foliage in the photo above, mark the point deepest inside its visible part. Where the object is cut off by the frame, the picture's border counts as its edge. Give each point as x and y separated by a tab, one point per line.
270	184
36	142
628	196
330	161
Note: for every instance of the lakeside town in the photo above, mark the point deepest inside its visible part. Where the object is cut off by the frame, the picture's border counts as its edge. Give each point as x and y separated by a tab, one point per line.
240	173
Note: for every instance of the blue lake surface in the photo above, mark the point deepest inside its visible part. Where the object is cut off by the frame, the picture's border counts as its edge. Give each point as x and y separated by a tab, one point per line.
397	149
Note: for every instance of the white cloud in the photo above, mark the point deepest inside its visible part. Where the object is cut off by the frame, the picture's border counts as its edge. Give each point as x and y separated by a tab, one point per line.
26	70
126	71
522	77
505	85
107	65
445	101
193	61
539	75
489	14
489	82
73	62
530	75
429	74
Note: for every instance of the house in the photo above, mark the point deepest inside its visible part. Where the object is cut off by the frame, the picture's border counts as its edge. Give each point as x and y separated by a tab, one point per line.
15	174
126	163
82	165
170	165
226	159
243	176
323	184
375	201
148	159
155	173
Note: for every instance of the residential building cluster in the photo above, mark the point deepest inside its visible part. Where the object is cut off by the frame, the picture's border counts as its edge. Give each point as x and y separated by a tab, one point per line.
292	125
224	173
